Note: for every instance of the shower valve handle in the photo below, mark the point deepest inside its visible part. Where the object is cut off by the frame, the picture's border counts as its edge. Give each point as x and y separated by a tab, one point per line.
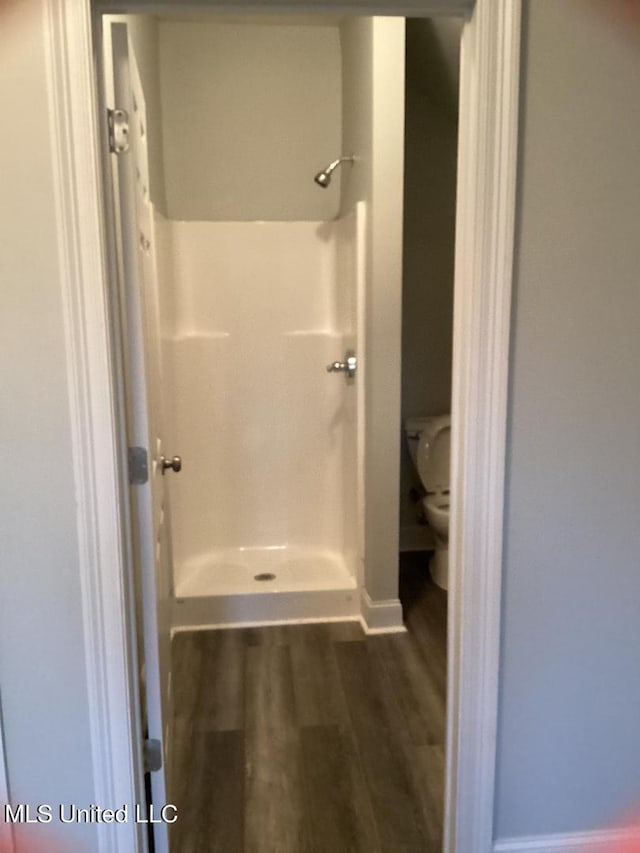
348	366
174	464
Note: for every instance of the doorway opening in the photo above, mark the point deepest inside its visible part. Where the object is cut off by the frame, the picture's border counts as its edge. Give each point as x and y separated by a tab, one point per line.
243	289
484	255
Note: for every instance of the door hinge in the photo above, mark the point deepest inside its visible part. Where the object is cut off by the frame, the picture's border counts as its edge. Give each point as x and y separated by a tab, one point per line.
152	755
118	122
138	466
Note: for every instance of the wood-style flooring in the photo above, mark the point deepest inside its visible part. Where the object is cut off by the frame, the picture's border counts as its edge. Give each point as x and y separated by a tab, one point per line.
313	738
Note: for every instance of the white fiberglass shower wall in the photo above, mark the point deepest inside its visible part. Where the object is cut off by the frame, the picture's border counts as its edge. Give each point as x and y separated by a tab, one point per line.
268	483
262	295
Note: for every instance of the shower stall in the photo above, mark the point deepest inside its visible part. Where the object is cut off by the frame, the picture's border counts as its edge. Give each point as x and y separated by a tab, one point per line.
265	512
267	140
261	289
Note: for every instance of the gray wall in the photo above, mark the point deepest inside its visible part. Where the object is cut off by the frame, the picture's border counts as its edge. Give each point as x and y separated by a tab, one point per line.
568	748
569	731
373	126
42	666
431	132
250	112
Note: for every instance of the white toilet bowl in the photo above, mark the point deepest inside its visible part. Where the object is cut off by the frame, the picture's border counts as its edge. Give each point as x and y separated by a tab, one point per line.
436	509
429	445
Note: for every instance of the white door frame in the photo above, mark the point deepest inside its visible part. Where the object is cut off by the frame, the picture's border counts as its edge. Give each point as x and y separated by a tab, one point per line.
6	829
485	230
483	279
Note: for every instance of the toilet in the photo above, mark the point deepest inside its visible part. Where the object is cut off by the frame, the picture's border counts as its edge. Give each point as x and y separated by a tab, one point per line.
429	445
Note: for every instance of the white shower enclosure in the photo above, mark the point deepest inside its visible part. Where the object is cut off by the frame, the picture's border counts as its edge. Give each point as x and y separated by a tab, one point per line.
266	513
261	287
264	279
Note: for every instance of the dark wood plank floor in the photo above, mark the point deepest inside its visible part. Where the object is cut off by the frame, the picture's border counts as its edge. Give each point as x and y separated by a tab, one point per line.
313	738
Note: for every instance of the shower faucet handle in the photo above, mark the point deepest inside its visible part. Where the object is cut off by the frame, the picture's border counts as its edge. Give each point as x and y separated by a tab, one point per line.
174	464
348	366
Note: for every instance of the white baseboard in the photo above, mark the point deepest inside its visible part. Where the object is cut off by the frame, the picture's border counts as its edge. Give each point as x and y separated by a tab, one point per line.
381	617
599	841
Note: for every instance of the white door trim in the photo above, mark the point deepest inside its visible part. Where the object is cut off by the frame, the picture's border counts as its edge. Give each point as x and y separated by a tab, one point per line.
484	259
95	434
6	829
487	169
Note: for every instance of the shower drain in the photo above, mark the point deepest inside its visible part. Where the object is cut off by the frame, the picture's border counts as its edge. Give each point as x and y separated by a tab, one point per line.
264	576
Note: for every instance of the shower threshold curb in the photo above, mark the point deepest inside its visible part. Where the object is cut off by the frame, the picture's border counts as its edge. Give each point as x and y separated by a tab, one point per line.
265	608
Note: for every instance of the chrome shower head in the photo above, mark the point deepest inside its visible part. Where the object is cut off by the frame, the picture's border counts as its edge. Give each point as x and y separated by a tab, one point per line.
323	178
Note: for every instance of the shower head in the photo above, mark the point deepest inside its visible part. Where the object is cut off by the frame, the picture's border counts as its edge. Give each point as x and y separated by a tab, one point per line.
323	178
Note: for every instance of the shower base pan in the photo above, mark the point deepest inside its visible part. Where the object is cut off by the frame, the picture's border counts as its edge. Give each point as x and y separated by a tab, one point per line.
262	586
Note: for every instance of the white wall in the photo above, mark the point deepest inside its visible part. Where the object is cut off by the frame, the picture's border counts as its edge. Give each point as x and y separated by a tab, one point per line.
42	645
569	738
251	112
373	123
